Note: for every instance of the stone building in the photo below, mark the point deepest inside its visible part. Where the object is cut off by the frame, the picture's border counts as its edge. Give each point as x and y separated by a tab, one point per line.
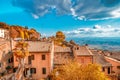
82	54
62	55
115	67
4	34
44	56
40	62
110	62
100	59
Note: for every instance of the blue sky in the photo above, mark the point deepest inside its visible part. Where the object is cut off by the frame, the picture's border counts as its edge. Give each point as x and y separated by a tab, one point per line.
76	18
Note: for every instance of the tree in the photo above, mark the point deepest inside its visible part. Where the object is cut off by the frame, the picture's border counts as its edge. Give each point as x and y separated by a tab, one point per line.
33	35
21	52
17	31
60	37
26	34
4	25
75	71
21	49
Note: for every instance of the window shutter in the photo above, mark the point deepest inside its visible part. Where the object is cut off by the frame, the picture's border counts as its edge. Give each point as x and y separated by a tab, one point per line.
32	57
44	70
43	57
33	70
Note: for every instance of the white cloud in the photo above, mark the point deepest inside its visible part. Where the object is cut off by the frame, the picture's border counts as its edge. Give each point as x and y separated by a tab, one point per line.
81	18
79	9
96	31
97	9
42	7
115	13
35	16
73	12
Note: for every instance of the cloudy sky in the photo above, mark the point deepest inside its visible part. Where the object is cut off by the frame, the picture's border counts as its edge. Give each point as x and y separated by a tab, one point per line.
77	18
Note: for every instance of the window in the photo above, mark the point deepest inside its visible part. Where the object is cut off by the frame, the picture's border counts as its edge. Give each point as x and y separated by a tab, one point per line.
0	64
108	70
29	60
33	70
43	57
77	48
103	69
26	72
10	60
43	70
15	69
32	57
118	67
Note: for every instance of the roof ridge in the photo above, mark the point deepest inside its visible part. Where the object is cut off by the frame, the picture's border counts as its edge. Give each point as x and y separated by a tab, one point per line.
89	50
112	59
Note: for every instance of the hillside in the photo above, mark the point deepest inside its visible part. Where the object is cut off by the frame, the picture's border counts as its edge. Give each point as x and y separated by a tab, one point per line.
17	31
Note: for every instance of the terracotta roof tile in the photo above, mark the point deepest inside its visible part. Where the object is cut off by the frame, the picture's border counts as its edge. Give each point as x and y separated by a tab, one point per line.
100	59
115	55
37	46
62	49
82	50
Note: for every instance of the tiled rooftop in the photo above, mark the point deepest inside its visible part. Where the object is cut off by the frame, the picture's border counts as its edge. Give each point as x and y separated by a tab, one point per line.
37	46
115	55
62	49
82	50
100	59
